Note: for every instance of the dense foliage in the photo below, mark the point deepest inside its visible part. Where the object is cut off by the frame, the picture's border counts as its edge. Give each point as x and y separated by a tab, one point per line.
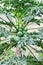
24	11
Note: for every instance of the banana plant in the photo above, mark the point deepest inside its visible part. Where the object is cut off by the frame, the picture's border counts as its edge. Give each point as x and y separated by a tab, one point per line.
18	36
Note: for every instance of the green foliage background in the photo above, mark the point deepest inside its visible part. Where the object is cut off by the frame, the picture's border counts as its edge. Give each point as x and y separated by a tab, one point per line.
24	11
